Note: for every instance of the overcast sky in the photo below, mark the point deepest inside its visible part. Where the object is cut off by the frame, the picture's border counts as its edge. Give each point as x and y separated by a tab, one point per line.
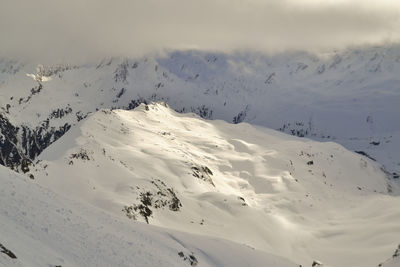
83	29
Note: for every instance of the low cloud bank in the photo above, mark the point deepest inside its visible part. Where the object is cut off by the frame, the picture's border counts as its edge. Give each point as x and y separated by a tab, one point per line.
84	29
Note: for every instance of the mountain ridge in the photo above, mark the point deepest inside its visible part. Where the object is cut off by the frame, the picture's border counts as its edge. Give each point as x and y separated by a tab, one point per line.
182	172
299	94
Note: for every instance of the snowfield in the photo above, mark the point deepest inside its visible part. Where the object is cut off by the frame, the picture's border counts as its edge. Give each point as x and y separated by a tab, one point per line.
288	196
41	228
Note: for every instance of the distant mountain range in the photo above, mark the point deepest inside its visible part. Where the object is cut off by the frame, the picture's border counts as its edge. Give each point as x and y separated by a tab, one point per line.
180	142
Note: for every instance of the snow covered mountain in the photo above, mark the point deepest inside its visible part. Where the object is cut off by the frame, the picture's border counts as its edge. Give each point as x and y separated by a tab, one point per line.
99	149
288	196
350	97
41	228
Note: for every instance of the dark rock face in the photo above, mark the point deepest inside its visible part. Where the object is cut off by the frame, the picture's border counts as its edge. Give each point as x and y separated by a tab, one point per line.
203	111
203	173
365	154
19	146
158	197
135	103
316	263
240	116
8	252
121	73
298	129
190	258
10	155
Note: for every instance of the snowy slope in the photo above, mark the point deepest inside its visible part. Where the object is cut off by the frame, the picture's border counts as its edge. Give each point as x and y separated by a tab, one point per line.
351	96
40	228
293	197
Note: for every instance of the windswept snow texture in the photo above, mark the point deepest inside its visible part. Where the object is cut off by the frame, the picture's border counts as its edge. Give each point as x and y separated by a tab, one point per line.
293	197
41	228
351	97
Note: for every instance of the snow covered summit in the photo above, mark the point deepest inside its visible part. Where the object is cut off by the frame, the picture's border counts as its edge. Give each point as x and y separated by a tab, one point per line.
293	197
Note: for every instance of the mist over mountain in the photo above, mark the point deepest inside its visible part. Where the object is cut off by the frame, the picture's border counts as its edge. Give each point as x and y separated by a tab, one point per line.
74	31
211	133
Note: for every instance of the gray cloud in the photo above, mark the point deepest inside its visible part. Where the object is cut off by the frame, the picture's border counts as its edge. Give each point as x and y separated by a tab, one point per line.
83	29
